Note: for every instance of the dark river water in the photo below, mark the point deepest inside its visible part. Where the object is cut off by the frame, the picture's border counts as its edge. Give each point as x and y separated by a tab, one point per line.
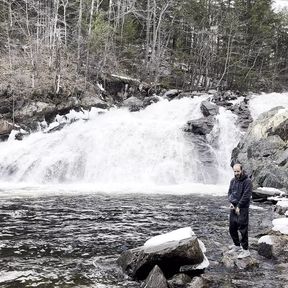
74	241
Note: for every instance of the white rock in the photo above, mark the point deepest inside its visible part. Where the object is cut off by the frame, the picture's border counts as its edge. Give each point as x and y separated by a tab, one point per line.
281	225
176	235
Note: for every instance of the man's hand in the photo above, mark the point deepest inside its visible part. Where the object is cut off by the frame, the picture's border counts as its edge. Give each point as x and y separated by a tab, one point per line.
232	207
237	211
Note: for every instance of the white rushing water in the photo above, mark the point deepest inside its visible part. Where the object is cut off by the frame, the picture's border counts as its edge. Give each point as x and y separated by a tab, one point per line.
118	151
260	103
122	151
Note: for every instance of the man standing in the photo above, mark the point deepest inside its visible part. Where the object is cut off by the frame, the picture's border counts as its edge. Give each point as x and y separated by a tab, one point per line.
239	194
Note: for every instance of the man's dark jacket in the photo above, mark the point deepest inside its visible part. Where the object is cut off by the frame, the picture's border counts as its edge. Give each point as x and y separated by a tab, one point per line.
240	191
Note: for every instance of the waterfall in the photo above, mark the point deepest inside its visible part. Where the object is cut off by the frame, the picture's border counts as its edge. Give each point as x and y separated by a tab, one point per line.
260	103
120	147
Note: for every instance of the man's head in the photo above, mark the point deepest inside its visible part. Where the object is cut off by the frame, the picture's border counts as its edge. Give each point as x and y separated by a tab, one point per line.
237	168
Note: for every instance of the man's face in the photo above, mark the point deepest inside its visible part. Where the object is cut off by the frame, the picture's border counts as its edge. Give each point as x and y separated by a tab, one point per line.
237	171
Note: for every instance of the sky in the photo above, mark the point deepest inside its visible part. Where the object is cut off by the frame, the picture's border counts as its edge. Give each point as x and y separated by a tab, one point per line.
279	4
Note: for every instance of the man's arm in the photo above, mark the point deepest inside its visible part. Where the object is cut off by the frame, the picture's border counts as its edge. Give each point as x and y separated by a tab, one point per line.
229	193
230	188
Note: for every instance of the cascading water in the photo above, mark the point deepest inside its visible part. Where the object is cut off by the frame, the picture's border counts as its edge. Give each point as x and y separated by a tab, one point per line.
123	148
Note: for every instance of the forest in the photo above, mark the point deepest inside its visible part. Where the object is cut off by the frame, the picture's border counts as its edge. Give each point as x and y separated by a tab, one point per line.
56	45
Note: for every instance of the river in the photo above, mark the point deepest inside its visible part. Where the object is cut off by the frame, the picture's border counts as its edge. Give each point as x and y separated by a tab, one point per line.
74	241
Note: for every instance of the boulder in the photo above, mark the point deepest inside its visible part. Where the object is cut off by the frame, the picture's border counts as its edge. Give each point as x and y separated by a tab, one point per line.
171	94
273	246
263	150
198	282
231	261
188	94
264	194
282	206
209	109
134	104
5	127
93	101
34	109
179	281
120	87
201	126
155	279
150	100
169	256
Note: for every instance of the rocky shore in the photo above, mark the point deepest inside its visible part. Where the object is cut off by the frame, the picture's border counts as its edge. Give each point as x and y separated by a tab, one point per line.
177	260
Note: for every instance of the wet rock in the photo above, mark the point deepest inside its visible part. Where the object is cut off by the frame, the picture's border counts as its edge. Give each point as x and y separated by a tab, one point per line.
201	126
92	101
155	279
247	263
150	100
134	104
5	107
171	94
187	94
263	194
281	130
33	109
198	282
231	261
209	109
229	95
169	256
179	281
281	206
212	91
5	127
273	246
121	87
261	149
213	279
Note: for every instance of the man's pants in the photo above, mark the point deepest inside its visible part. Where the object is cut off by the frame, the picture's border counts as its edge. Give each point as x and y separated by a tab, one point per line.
239	223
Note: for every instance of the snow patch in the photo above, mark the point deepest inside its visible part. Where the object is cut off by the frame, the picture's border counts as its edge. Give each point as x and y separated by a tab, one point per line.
176	235
281	225
270	189
254	207
266	239
283	203
205	263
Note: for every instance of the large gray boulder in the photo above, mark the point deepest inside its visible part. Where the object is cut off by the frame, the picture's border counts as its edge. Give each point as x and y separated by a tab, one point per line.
209	109
169	256
134	104
201	126
274	246
264	149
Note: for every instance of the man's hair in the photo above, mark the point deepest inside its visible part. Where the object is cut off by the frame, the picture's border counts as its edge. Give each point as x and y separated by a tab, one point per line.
238	164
